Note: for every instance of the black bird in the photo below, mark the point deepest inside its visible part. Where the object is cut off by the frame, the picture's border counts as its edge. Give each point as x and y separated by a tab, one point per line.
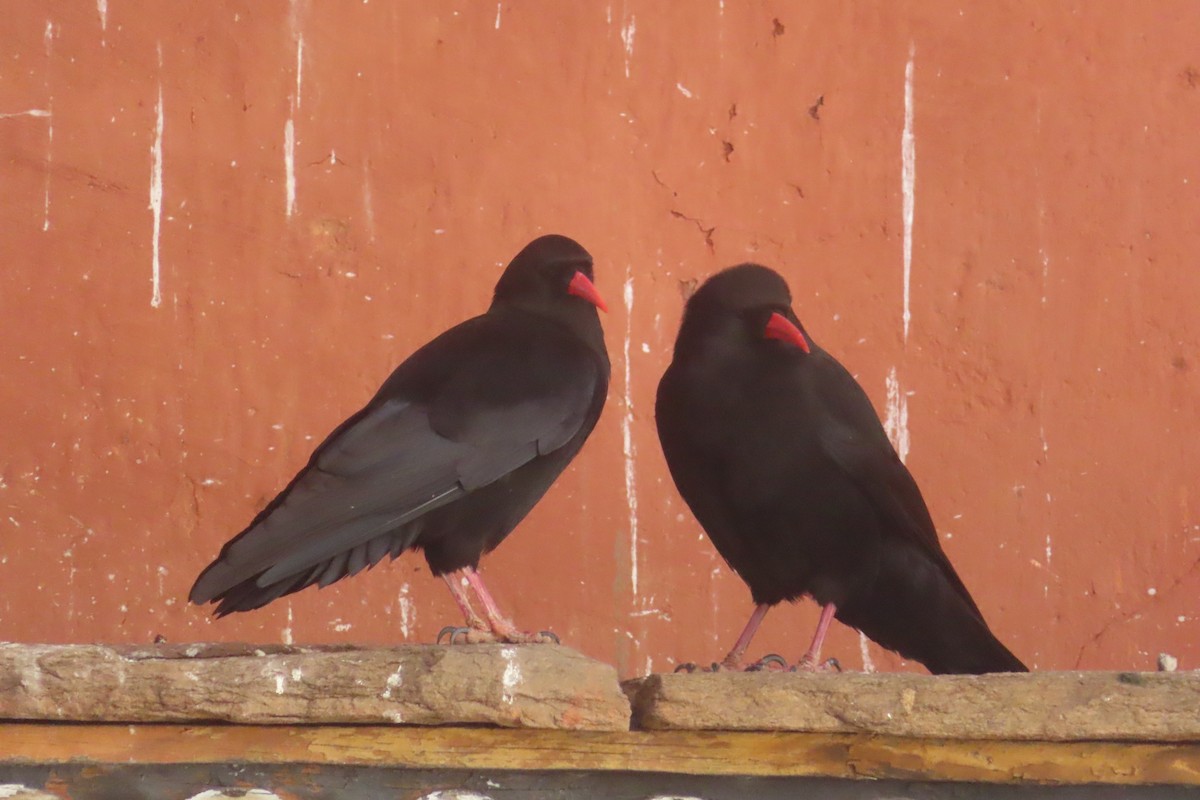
779	454
453	451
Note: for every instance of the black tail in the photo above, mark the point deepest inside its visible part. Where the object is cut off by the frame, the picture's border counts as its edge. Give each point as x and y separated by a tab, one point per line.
916	611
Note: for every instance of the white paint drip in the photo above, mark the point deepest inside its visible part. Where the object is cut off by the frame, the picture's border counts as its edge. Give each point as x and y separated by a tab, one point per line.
628	31
683	90
287	631
864	648
1049	499
408	614
102	8
651	612
628	448
299	67
218	794
454	794
908	179
49	155
368	202
289	127
280	683
512	674
156	194
32	112
895	421
498	6
1045	272
48	39
289	164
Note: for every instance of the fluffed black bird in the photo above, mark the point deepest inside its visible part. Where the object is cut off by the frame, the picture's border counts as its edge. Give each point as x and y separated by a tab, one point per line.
453	451
780	456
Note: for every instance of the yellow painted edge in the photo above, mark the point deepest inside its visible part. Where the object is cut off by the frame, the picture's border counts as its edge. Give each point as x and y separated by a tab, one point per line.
677	752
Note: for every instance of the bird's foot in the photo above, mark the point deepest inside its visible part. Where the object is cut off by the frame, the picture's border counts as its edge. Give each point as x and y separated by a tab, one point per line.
807	664
457	634
768	663
514	636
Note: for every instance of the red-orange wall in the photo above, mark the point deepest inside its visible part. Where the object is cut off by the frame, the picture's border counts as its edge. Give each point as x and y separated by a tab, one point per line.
1049	374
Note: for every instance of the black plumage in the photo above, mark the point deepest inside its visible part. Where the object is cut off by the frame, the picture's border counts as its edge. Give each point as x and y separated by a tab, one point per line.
456	447
782	459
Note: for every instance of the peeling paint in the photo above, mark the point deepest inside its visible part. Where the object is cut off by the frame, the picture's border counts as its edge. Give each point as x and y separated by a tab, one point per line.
408	612
394	681
512	674
864	649
286	634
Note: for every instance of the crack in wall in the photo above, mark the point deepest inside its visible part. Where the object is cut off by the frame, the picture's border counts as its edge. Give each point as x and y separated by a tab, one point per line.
707	232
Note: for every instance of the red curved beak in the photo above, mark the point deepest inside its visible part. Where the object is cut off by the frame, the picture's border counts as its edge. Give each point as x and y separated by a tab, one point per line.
580	286
780	327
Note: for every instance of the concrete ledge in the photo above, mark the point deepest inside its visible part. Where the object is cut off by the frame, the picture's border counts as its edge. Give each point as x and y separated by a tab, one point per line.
533	686
1040	706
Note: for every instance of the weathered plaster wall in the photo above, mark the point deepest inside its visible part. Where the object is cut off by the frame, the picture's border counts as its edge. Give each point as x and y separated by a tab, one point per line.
223	224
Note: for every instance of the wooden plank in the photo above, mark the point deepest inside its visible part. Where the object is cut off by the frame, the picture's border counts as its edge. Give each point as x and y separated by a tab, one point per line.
1040	706
677	752
535	686
309	782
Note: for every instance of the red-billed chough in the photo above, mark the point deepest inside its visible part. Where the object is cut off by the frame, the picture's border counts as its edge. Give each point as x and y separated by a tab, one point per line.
779	454
453	451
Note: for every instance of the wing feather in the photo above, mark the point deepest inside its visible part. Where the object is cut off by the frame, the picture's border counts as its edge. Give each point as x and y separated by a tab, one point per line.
450	420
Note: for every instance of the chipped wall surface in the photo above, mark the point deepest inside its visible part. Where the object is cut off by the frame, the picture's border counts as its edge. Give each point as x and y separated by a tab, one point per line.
224	223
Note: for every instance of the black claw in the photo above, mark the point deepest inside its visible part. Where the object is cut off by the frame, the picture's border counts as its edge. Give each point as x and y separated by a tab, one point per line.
687	666
715	667
451	632
769	658
550	635
834	664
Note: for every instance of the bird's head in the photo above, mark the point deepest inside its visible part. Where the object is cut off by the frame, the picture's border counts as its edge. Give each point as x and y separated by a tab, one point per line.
549	271
748	306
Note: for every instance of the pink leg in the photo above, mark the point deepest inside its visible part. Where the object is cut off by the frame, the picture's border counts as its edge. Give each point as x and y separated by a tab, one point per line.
809	661
502	627
454	581
734	659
